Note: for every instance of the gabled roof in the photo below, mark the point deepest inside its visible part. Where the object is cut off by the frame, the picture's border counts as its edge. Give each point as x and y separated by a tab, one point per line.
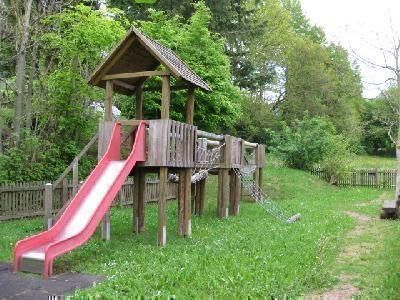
137	53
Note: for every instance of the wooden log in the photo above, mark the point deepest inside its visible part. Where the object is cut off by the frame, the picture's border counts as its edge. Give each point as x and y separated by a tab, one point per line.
139	102
165	97
139	202
190	105
162	208
48	206
108	101
212	136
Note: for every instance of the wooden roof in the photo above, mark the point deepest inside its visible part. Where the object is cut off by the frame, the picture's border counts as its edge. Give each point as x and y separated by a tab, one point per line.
139	53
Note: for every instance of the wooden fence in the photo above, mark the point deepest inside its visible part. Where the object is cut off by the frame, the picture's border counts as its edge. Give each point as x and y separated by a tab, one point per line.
26	199
375	178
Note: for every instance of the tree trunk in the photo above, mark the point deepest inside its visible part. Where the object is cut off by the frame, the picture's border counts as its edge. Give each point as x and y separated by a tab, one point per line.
32	71
20	68
1	125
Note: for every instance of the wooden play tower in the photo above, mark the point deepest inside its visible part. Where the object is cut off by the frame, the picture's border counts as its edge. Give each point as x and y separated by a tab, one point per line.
172	147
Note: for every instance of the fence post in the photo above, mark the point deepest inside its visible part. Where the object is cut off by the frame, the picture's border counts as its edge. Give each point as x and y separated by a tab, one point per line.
48	206
75	177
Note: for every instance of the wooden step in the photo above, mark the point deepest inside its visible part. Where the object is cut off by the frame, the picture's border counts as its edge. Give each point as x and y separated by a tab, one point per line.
32	265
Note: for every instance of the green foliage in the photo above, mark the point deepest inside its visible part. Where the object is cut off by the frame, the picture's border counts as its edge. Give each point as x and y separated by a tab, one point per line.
309	142
377	116
204	53
255	121
337	158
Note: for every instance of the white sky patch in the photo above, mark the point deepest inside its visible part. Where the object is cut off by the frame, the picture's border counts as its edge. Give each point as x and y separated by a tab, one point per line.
364	28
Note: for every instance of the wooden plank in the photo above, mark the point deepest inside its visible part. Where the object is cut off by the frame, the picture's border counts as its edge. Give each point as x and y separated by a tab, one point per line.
136	75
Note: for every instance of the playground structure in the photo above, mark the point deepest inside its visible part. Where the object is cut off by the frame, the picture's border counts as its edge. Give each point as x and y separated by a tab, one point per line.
176	151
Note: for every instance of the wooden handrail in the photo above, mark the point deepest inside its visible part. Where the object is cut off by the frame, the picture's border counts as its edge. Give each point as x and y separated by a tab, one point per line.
75	161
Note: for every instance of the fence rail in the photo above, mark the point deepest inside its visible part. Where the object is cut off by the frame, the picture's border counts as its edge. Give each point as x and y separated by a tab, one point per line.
26	199
375	178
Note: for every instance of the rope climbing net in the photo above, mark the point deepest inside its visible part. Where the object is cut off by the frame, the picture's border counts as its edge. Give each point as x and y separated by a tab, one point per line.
246	176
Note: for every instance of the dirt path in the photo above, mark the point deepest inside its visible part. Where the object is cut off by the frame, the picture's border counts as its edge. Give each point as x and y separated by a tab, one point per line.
344	289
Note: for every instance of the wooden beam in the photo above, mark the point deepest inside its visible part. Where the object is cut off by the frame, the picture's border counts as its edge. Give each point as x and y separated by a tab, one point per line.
177	87
113	57
136	75
190	105
165	97
124	85
108	101
139	102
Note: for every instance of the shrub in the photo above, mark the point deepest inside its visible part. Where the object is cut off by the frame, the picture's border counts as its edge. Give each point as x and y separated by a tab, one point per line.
312	141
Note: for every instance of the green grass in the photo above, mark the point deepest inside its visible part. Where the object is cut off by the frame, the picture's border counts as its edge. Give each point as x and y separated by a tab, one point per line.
369	161
249	255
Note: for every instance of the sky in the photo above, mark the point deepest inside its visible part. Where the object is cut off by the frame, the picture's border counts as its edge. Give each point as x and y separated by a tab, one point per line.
364	28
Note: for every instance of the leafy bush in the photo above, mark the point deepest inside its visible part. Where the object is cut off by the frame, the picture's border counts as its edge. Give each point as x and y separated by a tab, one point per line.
312	141
337	158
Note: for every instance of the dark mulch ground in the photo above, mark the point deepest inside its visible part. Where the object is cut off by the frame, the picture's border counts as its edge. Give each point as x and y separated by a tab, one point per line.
29	286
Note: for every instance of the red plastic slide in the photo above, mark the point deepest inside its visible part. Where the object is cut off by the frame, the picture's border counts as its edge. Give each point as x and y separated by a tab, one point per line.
86	210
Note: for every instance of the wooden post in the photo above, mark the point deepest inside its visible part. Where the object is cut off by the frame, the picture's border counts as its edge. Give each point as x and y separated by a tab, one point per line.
181	202
75	178
108	101
64	191
223	193
223	180
106	227
187	199
234	194
162	208
139	102
190	105
165	97
139	201
48	206
197	197
202	196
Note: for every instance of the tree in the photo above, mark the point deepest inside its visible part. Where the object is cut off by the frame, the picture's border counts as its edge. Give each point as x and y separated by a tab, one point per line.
23	23
204	53
391	63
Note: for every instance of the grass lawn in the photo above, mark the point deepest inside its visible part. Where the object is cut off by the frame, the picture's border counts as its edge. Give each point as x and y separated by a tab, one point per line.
249	255
369	161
